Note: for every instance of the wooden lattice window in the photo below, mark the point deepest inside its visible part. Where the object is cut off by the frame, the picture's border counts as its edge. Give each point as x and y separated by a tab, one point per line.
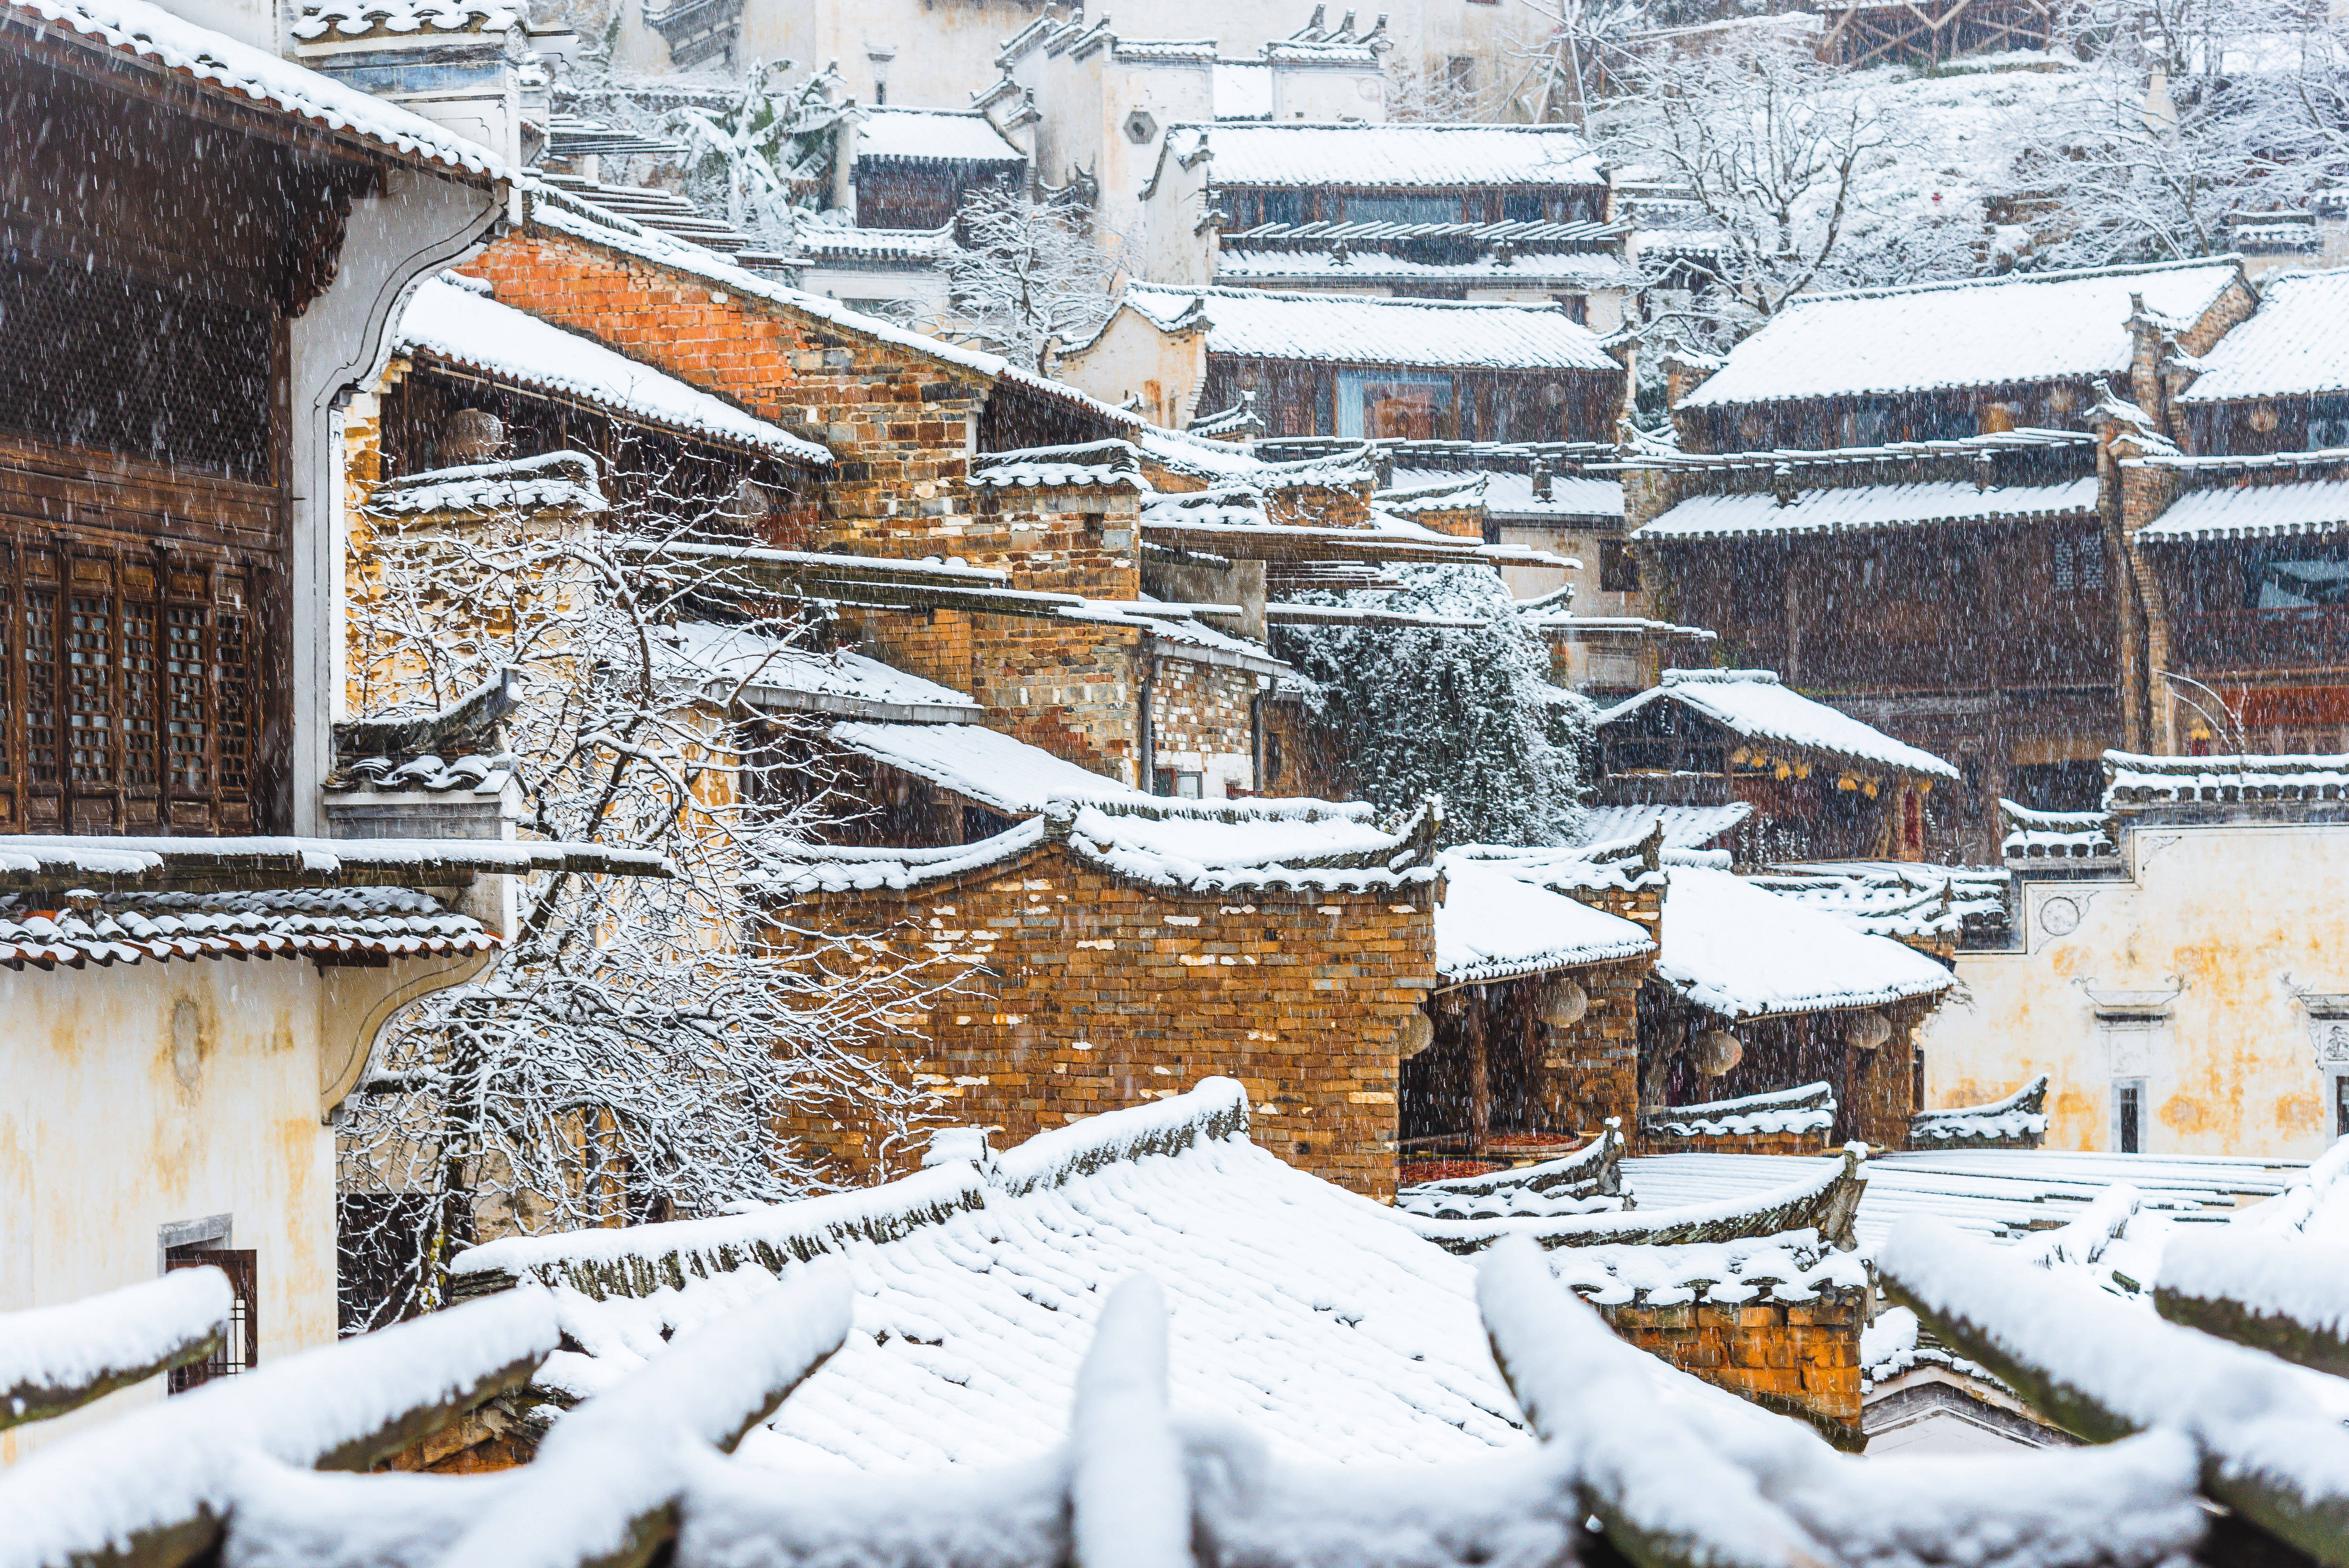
129	689
239	1351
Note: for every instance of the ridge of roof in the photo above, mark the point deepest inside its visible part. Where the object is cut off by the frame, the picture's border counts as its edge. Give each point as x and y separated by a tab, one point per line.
2009	280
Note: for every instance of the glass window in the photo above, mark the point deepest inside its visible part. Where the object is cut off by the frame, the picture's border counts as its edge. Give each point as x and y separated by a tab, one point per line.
1403	209
1399	408
2303	579
2128	1115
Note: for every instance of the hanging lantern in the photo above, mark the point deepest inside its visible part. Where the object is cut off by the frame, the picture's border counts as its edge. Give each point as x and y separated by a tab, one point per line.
1418	1034
1716	1051
1562	1004
1867	1031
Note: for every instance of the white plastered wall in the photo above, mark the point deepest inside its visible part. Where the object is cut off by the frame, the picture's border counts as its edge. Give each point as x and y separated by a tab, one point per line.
2237	921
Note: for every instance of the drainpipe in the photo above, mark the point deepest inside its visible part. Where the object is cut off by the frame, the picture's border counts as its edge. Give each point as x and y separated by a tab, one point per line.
1148	746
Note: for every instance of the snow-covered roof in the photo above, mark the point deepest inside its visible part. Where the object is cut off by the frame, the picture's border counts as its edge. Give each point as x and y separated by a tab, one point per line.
1311	1311
457	326
1511	495
1755	705
1864	508
1809	1109
725	662
983	765
255	75
2253	512
1978	332
2132	779
1094	465
1734	949
475	775
559	481
358	18
1205	846
1389	157
963	136
1361	330
1686	826
2014	1118
2295	344
130	928
1238	263
1893	898
1494	926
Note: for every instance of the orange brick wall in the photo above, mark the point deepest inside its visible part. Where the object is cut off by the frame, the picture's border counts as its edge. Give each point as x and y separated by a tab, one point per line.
1797	1357
1085	992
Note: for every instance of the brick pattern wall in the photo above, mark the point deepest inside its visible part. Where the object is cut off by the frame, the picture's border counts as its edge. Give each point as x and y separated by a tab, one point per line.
1078	539
1085	992
1797	1357
1201	720
1591	1071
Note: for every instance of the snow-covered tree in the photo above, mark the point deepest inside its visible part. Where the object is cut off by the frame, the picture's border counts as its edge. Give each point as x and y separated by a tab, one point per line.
635	1049
1767	149
1027	273
1466	712
770	150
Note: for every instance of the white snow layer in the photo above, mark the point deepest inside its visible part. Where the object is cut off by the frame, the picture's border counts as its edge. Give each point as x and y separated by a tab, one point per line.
152	32
2294	344
961	136
1754	704
162	1464
1491	926
2254	510
1978	332
1734	949
983	765
2276	1277
1860	507
1686	826
720	661
1395	156
1366	330
77	1346
458	326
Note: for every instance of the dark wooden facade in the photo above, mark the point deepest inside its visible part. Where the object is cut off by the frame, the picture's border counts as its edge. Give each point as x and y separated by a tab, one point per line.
925	192
1948	414
1249	207
155	243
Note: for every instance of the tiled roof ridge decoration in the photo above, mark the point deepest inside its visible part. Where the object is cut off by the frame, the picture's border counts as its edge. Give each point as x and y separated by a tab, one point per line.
1825	1203
2055	835
2285	510
1091	465
35	862
1593	1170
148	31
1810	1107
1754	704
1847	457
2290	347
644	1258
325	923
1857	509
2136	780
2009	280
470	724
564	480
2016	1121
358	18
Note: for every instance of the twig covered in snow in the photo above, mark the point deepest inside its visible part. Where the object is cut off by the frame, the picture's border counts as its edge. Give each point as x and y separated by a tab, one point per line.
2103	1369
57	1359
2287	1296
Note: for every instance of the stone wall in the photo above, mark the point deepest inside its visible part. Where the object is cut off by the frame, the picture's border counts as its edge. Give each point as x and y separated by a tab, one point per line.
1800	1358
1591	1071
1203	720
1082	991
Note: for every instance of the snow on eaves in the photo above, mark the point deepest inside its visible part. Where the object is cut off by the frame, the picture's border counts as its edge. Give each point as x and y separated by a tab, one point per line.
1734	949
1092	465
83	1343
152	33
1978	332
131	928
1755	705
1686	826
1494	926
454	325
1236	263
933	135
1390	157
1508	495
1808	1108
1261	323
994	769
562	481
358	18
2135	779
1865	507
2294	345
2253	511
2015	1117
733	663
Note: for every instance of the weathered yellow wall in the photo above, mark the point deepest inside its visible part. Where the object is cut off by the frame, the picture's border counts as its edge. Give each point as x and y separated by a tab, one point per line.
115	1123
2244	917
1134	359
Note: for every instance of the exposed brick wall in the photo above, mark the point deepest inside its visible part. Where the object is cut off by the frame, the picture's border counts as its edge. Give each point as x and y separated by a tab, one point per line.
1591	1071
1201	719
1084	991
1818	1142
1799	1357
1880	1086
1297	762
1073	540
